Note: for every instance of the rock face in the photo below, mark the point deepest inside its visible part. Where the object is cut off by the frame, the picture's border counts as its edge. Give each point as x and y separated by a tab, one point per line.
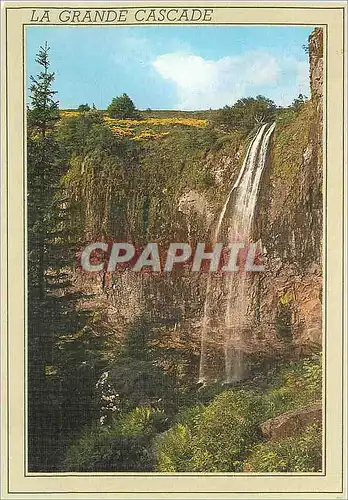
316	68
290	223
195	203
292	423
287	303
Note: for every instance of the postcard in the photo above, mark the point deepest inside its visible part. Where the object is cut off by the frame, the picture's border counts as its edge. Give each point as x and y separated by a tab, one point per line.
173	250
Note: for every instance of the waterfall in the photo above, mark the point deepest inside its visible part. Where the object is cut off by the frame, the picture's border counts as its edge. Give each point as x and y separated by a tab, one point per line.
223	342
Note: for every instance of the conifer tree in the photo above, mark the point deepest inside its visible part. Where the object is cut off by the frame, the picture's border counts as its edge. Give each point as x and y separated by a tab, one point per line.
43	160
43	153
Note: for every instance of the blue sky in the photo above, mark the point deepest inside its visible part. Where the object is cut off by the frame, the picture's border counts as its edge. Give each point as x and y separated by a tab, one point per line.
173	67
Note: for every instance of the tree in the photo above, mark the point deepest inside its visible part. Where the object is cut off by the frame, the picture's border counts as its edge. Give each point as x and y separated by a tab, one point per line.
122	107
43	156
43	166
246	113
83	108
298	102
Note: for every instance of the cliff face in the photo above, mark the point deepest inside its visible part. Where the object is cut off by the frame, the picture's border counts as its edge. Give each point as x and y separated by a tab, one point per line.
316	50
286	305
291	219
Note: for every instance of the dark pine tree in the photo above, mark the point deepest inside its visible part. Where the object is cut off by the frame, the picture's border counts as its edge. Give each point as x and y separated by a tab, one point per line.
43	165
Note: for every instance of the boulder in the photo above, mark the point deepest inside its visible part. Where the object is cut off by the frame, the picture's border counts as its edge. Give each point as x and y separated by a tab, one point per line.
292	422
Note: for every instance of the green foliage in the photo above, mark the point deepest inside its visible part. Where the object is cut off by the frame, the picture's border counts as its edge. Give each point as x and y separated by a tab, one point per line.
124	445
116	186
213	439
96	176
64	358
302	453
297	385
219	436
174	450
141	420
299	102
83	108
43	112
227	428
122	107
247	113
44	166
77	131
290	141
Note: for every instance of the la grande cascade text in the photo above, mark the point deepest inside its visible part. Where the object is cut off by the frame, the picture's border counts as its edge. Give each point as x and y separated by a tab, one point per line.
119	16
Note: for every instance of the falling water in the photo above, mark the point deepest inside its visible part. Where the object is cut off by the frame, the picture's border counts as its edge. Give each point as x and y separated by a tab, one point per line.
229	337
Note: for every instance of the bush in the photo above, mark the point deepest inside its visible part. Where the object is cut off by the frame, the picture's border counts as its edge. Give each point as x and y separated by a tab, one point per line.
302	453
75	131
214	439
299	102
297	385
218	437
124	445
228	426
174	448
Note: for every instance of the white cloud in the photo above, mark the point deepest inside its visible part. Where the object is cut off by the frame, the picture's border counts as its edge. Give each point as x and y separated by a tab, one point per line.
201	83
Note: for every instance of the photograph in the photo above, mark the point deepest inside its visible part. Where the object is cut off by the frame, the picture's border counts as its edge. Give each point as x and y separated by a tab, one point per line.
174	248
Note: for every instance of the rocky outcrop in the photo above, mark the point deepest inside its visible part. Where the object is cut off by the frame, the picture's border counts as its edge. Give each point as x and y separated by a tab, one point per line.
316	47
292	423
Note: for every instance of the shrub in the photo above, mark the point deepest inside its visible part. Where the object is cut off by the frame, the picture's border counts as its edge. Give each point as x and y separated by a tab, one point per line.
174	448
214	439
299	102
302	453
101	451
75	130
124	445
228	426
298	385
219	436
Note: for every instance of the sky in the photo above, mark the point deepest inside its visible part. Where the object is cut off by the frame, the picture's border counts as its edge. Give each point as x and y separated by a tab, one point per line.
173	67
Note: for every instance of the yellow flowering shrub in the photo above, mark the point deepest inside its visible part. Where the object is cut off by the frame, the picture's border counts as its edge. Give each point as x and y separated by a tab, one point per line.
141	130
122	132
68	114
166	122
189	122
149	134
